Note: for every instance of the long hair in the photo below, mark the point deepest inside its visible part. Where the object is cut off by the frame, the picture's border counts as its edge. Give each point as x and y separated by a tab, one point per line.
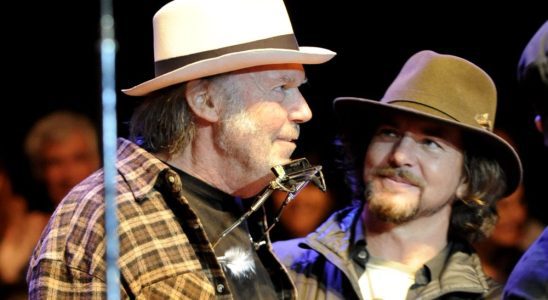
474	215
163	122
350	158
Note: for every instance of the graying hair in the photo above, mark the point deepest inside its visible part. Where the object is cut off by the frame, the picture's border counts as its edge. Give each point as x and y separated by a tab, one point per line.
165	123
56	127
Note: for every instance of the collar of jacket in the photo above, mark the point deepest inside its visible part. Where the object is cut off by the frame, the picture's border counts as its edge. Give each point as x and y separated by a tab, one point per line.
139	168
334	239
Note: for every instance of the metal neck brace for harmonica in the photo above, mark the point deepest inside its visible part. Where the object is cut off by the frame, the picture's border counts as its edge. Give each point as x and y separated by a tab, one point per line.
290	178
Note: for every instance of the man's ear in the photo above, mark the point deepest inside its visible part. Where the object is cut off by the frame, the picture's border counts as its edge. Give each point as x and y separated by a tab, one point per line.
462	188
200	102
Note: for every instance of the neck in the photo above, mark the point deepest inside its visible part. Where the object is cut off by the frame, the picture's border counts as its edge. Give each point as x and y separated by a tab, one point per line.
204	161
412	243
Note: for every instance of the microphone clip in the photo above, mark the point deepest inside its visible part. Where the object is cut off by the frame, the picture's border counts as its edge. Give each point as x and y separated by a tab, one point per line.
291	177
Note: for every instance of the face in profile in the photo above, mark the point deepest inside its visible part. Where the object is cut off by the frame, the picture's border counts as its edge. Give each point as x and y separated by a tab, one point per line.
260	129
68	161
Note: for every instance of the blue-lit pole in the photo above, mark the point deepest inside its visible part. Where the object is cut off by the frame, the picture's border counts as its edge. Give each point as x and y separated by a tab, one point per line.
108	59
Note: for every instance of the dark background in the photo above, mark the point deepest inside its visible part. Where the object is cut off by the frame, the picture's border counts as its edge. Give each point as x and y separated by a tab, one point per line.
51	61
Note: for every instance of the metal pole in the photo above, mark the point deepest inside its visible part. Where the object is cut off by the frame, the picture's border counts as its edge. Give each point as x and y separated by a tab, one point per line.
108	58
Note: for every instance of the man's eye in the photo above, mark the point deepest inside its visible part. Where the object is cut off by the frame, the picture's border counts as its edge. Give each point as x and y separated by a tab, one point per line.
431	144
387	132
280	88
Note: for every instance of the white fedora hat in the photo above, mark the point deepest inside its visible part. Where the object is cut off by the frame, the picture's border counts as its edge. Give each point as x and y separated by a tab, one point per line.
199	38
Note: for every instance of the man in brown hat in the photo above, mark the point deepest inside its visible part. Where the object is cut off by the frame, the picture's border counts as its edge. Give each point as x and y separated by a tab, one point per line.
223	108
432	170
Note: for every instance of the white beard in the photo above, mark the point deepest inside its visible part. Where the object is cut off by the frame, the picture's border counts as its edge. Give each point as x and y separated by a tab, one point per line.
241	140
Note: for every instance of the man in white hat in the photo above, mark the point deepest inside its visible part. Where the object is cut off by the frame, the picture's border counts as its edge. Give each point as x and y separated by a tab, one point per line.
433	170
223	108
529	279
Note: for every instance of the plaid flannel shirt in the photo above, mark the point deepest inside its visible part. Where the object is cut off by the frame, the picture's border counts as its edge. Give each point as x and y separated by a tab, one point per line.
158	258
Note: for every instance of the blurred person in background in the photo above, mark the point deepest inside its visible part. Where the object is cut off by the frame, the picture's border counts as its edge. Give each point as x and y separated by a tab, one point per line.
529	279
304	213
20	229
63	150
513	232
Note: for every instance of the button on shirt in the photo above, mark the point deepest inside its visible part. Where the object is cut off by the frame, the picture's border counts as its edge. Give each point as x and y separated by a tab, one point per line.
217	211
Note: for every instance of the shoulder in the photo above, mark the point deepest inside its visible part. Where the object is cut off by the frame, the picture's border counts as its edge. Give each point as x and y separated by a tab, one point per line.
330	239
462	274
75	232
292	251
76	222
529	279
314	275
535	256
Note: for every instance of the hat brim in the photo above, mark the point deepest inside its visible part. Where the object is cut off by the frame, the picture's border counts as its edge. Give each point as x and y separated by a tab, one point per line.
232	62
355	113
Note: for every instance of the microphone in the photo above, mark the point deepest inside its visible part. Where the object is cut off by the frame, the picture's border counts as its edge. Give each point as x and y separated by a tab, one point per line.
291	178
288	176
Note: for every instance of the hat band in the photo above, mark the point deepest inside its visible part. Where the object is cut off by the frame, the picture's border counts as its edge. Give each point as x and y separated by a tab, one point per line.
287	41
422	107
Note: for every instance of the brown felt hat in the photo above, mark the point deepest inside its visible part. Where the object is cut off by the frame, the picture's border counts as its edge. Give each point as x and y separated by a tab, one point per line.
447	89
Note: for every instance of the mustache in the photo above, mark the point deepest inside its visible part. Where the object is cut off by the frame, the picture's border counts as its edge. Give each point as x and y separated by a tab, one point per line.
297	130
400	173
292	133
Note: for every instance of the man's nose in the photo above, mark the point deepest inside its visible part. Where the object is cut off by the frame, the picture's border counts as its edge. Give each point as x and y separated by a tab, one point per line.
300	112
404	152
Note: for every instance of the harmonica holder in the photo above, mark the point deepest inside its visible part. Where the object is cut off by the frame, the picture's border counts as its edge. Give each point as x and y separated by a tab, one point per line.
291	177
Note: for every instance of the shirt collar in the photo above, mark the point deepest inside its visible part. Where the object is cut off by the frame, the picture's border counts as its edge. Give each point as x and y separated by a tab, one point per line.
202	190
139	168
358	251
431	269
